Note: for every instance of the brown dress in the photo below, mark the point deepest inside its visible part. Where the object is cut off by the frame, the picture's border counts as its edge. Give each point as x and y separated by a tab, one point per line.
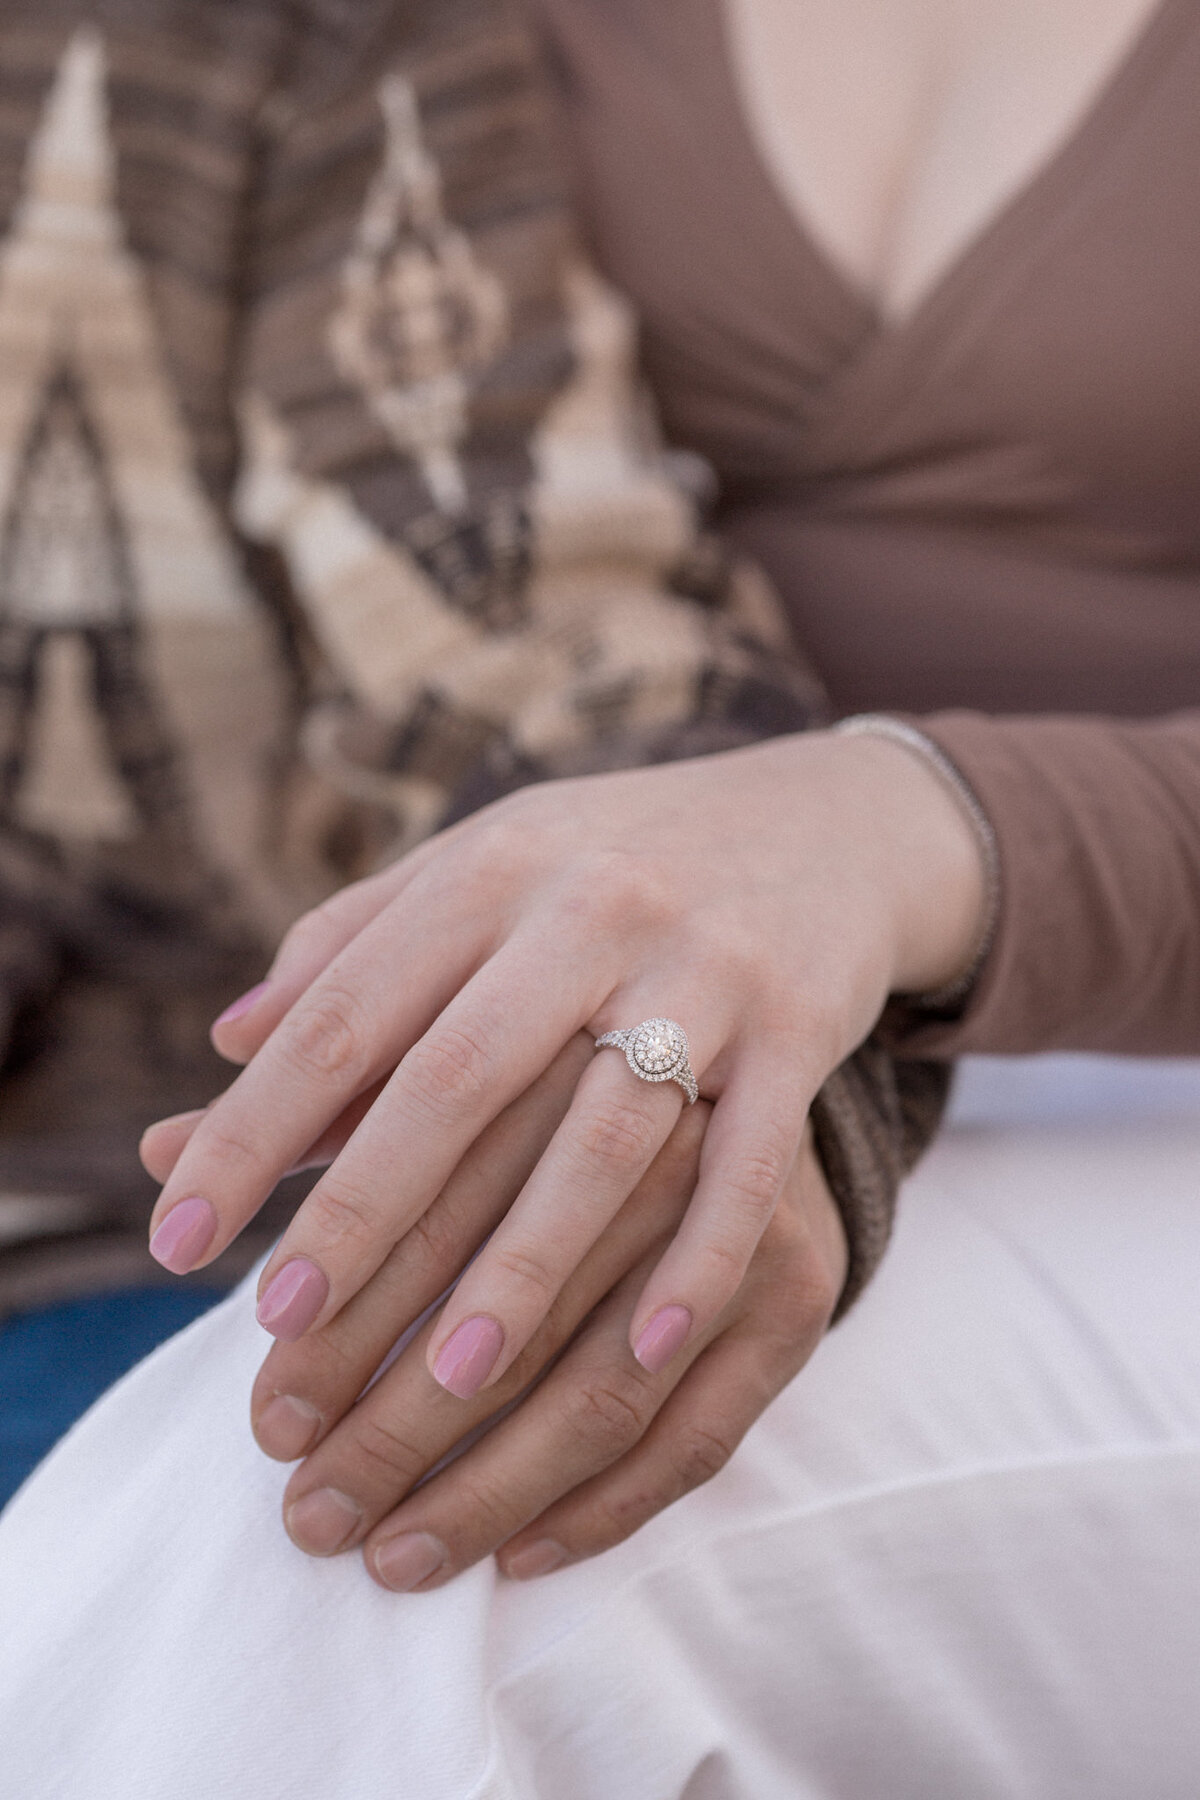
991	507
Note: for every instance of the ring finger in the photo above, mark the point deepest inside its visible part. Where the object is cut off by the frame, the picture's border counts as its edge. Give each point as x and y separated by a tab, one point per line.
615	1127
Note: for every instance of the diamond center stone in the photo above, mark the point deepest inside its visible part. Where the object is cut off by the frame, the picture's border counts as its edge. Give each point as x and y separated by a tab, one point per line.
657	1048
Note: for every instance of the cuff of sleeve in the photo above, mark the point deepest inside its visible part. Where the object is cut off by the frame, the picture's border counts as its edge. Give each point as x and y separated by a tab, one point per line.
1095	945
949	1000
985	1017
871	1121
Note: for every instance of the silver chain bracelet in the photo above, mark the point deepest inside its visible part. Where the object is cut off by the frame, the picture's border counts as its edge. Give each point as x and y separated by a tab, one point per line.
935	759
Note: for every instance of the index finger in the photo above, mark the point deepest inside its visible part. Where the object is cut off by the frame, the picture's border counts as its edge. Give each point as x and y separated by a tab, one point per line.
345	1032
310	945
317	1379
483	1050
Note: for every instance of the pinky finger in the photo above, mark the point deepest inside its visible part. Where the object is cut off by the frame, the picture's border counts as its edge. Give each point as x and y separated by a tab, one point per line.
690	1440
752	1141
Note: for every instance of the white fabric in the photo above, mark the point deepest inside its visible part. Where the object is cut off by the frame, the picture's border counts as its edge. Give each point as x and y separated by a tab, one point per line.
958	1560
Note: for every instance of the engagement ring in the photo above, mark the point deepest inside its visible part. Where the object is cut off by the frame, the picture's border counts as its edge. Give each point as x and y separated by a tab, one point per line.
656	1050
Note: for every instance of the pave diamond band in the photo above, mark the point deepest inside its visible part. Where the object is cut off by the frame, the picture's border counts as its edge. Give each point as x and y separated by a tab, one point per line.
656	1050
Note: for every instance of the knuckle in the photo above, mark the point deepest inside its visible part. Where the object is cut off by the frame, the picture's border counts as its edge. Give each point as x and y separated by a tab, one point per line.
340	1213
794	1291
677	1164
815	1290
749	1196
509	812
724	1269
434	1240
732	960
559	1320
614	1517
306	934
614	887
227	1145
324	1368
506	841
698	1454
753	1184
447	1070
617	1135
328	1037
382	1451
812	1272
493	1517
525	1266
609	1416
809	1031
793	1022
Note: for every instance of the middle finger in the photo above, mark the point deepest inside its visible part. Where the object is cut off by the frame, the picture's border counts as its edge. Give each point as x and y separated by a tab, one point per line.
474	1060
615	1127
476	1054
304	1388
405	1423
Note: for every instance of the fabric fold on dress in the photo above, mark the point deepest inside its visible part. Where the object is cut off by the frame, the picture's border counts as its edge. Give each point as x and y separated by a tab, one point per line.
957	1555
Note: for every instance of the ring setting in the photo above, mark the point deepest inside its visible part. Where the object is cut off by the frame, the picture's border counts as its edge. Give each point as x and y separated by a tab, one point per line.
656	1050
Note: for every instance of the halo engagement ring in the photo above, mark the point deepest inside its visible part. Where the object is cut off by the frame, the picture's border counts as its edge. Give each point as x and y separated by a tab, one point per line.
656	1050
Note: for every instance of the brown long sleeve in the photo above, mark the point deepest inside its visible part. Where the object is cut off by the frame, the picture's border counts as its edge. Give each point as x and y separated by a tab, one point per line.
1097	945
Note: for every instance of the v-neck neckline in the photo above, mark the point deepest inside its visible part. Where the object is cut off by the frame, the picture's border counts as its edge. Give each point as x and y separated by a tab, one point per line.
1031	200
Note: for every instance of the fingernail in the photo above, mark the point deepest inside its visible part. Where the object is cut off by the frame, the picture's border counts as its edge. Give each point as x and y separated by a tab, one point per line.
322	1522
468	1357
292	1300
662	1338
286	1427
184	1235
541	1558
242	1005
404	1562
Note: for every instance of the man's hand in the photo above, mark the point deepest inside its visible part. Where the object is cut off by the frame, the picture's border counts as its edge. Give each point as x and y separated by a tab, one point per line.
598	1445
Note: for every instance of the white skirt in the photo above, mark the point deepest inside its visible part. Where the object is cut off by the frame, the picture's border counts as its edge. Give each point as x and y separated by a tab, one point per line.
959	1559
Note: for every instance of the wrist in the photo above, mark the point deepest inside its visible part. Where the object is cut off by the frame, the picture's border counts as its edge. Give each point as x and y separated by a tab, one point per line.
937	854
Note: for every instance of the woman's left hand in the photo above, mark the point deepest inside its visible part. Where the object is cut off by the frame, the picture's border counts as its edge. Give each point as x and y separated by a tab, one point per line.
769	899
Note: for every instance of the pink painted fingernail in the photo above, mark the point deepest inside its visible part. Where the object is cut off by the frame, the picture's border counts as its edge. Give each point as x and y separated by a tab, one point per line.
184	1235
663	1338
323	1522
404	1562
286	1427
242	1005
468	1357
292	1300
537	1559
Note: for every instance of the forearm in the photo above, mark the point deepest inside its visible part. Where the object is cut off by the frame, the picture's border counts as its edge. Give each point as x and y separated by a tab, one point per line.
1097	944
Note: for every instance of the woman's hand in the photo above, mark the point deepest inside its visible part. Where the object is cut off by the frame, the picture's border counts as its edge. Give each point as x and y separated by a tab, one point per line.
769	899
599	1446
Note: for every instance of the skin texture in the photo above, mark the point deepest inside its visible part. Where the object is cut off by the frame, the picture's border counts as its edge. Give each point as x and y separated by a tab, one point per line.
600	1445
440	1067
588	889
587	904
895	129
